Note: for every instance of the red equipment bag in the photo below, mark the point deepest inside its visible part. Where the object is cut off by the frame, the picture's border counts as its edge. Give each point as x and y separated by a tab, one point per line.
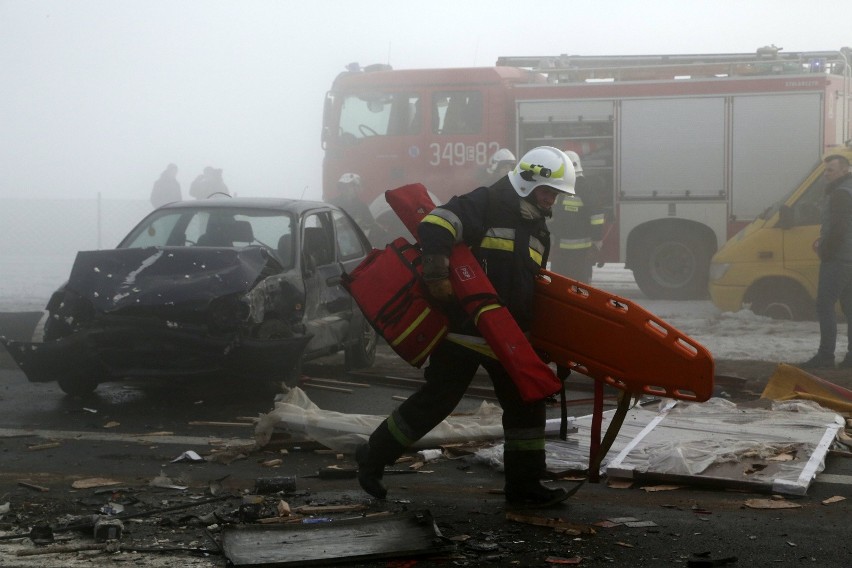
388	288
534	379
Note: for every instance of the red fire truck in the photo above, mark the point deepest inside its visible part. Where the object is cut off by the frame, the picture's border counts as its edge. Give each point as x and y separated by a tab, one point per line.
690	148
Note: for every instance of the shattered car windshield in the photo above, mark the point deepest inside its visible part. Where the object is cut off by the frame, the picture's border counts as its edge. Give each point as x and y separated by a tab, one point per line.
216	227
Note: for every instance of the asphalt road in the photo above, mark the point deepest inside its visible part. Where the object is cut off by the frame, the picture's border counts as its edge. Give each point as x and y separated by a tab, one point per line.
131	432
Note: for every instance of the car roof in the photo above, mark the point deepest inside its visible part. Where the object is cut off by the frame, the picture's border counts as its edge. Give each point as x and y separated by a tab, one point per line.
297	206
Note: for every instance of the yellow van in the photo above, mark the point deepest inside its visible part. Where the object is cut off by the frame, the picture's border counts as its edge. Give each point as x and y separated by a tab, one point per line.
771	265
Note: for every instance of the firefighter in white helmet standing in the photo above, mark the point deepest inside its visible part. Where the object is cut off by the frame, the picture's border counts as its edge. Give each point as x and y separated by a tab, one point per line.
501	163
348	198
504	225
577	228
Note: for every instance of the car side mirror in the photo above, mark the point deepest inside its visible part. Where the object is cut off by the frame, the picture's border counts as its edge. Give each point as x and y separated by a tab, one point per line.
785	217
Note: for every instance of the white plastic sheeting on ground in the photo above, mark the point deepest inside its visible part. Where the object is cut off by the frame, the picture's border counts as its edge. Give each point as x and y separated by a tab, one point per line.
295	415
777	448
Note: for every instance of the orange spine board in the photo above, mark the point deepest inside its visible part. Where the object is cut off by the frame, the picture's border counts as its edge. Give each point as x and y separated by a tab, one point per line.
616	341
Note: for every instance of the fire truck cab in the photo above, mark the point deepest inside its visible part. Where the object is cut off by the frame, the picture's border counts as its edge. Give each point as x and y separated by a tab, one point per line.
689	148
437	127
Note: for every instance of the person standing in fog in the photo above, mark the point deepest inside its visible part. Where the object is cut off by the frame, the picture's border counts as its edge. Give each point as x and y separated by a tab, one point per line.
577	227
209	184
500	163
349	199
835	266
167	188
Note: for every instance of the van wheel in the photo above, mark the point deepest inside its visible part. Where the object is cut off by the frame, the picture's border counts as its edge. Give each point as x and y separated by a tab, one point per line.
672	266
362	353
782	301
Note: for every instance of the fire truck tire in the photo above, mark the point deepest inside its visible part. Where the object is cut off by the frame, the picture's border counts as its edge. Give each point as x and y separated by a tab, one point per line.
672	266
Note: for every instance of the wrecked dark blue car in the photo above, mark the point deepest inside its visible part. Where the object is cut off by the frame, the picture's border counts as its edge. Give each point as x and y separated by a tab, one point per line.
247	287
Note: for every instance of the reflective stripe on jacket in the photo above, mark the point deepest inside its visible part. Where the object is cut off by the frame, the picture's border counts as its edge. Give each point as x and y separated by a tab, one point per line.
578	219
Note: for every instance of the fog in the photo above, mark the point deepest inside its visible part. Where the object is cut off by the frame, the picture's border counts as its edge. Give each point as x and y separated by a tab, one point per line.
99	95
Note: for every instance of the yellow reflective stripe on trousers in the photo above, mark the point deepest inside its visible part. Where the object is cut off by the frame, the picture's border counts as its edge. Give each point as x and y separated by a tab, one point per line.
396	429
575	244
523	445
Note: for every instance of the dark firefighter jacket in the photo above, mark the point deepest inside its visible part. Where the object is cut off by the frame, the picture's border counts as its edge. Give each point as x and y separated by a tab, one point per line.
578	219
510	248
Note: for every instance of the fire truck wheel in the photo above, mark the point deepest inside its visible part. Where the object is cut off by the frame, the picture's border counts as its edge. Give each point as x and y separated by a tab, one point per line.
672	266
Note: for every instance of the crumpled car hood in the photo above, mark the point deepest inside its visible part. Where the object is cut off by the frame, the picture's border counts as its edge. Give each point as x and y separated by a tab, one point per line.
120	278
128	288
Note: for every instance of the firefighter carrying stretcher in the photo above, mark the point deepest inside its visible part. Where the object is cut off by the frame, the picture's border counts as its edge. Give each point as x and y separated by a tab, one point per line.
504	225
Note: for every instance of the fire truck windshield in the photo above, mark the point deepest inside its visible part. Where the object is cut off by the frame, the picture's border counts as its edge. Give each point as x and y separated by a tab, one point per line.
381	114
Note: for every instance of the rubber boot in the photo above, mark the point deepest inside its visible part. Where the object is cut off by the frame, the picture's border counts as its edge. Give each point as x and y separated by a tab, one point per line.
524	472
373	456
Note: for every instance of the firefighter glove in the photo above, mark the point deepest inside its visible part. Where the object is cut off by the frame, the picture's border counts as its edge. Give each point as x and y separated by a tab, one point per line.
440	290
435	267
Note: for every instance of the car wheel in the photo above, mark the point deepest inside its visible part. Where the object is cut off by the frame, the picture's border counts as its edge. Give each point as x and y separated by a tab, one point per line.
77	385
362	353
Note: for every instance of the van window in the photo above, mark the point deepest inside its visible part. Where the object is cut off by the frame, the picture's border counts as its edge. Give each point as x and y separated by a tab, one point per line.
806	210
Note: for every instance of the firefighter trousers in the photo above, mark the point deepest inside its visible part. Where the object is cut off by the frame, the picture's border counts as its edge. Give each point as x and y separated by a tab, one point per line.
450	371
576	264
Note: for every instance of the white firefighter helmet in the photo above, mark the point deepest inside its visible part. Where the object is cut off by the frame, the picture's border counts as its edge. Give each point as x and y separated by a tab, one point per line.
543	166
575	159
503	155
353	180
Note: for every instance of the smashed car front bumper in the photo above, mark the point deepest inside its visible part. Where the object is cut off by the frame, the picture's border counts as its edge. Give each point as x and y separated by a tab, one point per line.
116	352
